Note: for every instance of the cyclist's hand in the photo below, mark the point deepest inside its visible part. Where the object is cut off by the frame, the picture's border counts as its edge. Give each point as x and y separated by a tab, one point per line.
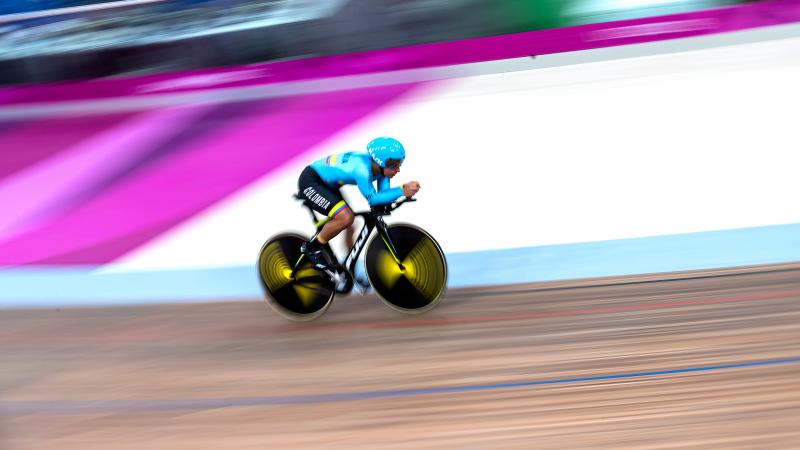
410	188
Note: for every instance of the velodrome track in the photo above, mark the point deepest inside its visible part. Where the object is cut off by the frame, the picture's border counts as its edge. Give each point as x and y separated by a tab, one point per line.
692	360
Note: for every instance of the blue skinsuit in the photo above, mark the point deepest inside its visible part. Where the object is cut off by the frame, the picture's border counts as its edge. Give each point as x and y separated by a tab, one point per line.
356	168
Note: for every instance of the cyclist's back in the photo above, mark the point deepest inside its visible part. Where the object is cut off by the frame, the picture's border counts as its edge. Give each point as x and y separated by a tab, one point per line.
343	168
356	168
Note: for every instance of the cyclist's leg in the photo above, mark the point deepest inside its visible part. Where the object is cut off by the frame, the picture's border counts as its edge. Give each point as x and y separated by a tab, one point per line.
340	220
349	232
349	235
328	201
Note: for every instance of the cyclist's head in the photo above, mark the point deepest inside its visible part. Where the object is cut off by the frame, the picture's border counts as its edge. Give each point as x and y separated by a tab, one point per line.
386	152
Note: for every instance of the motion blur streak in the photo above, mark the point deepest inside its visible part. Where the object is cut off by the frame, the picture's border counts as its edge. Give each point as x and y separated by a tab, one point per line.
694	373
56	407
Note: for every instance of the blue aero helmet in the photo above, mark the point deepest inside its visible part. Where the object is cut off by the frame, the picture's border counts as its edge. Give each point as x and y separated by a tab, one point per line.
383	149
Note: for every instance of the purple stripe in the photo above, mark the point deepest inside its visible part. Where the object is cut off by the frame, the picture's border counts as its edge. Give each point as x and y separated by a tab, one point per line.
542	42
49	187
28	143
142	207
212	121
7	127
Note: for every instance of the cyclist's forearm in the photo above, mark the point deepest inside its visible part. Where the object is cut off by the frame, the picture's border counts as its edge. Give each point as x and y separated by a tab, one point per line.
383	197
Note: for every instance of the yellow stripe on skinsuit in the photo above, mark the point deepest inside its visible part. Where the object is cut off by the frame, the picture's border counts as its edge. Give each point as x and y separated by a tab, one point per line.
336	207
333	160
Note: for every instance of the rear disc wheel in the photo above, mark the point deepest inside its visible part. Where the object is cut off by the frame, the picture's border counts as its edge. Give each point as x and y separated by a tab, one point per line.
301	295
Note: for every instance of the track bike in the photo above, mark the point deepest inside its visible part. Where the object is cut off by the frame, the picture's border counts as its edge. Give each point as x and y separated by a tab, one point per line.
404	265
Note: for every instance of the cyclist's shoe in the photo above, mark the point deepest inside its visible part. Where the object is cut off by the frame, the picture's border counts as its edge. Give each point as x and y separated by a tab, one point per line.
316	256
362	283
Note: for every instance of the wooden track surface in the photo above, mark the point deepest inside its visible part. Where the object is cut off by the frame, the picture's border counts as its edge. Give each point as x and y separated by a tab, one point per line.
702	360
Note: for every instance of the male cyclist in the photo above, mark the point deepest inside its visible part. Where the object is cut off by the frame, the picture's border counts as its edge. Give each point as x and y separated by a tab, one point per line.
321	180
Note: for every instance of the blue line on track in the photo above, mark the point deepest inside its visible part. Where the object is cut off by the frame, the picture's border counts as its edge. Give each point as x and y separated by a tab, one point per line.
45	407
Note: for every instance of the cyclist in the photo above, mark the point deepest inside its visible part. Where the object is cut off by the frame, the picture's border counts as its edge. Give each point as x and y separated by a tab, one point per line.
321	180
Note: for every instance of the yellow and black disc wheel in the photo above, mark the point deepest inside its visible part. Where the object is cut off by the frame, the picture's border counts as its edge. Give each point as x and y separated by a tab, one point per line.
302	294
413	279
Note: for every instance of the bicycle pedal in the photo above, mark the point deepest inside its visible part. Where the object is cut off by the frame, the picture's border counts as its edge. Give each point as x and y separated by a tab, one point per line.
334	276
341	282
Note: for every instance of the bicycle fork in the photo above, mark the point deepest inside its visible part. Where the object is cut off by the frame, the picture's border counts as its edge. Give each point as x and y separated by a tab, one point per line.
384	233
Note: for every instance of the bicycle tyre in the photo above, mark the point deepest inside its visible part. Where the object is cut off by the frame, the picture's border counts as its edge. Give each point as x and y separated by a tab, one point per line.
304	298
420	287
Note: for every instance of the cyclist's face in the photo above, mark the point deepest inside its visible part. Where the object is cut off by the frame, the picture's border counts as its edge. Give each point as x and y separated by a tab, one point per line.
392	168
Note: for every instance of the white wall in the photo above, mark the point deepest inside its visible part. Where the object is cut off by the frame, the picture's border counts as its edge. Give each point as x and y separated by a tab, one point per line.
695	141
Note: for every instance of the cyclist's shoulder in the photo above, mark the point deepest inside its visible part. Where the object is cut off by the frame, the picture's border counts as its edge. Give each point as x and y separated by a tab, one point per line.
340	158
360	157
359	161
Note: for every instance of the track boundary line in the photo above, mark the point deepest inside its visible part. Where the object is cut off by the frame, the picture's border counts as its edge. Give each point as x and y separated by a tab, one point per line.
56	407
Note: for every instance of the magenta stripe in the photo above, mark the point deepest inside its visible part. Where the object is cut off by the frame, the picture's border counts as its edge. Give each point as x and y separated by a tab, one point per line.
758	14
137	209
7	94
28	143
116	243
214	118
48	188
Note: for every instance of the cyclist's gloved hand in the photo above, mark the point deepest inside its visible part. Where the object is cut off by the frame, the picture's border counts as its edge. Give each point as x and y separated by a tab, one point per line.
410	188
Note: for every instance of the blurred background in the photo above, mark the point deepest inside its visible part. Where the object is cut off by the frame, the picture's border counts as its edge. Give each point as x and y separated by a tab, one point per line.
56	40
613	183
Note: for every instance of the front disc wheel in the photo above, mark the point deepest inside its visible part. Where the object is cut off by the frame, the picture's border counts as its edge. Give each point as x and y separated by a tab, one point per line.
413	279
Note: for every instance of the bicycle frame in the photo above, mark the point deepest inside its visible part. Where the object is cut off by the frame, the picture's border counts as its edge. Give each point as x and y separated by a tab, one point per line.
373	220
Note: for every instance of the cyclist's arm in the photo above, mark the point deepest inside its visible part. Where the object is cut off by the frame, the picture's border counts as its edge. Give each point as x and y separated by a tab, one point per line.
383	195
